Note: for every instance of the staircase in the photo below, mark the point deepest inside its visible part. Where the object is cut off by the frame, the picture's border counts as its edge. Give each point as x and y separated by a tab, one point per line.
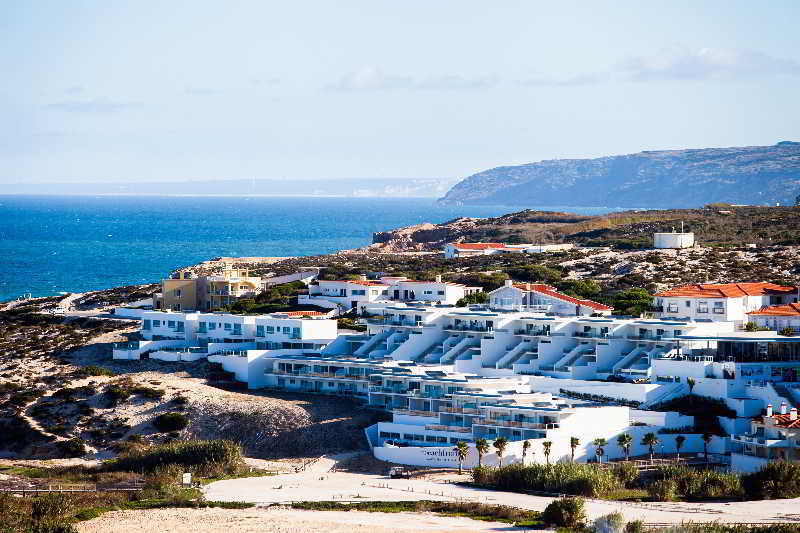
450	355
513	354
562	365
372	343
629	359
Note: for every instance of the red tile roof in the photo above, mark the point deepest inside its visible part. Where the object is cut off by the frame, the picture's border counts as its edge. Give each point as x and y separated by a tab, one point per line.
553	293
778	310
478	245
727	290
367	283
780	420
303	313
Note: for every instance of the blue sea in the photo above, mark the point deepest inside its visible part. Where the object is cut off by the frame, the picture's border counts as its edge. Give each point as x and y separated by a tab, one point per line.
54	244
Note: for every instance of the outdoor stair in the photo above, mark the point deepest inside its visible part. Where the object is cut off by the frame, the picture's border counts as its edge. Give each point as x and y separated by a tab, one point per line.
514	354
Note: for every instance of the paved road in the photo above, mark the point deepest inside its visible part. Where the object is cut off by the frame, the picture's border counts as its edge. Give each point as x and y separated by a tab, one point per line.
364	487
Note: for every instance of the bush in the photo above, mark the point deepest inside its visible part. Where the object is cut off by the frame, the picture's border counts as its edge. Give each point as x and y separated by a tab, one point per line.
569	512
637	526
626	474
775	480
208	458
664	490
610	523
565	478
701	484
167	422
94	370
72	447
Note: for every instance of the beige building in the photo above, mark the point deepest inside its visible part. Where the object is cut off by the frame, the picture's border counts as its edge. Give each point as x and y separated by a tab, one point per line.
186	291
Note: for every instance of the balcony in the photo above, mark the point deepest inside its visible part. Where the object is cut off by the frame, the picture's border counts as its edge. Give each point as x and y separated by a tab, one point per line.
459	410
414	412
513	423
389	390
463	327
759	440
454	429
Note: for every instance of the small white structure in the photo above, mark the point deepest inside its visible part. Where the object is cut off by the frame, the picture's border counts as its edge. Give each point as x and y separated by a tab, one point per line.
673	240
778	317
454	250
542	298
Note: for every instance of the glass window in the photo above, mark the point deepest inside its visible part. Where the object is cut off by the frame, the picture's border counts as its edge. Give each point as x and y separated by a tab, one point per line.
259	331
228	326
156	323
440	293
146	324
212	325
270	329
171	324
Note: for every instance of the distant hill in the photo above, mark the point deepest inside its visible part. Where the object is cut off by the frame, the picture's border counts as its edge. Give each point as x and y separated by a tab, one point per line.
753	175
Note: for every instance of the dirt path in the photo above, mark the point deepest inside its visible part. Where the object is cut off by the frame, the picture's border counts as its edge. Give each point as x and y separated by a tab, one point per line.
281	520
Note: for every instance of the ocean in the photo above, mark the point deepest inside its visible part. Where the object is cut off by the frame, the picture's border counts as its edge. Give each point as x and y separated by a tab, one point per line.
55	244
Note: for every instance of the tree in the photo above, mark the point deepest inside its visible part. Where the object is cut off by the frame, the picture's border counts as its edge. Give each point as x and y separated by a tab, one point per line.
546	446
632	301
482	447
474	298
574	442
500	444
462	449
598	449
691	383
679	440
650	440
786	332
706	441
625	442
525	446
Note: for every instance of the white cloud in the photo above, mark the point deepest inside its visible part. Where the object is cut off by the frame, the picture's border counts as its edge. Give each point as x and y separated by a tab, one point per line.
374	79
95	105
681	63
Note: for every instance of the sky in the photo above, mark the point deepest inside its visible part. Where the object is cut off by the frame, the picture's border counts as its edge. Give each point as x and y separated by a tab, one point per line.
181	90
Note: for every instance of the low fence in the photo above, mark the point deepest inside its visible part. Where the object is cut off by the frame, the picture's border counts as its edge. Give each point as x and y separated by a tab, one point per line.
72	487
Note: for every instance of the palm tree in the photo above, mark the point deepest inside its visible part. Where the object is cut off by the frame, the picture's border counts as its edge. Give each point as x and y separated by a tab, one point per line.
500	443
598	451
462	449
625	442
525	446
546	445
482	447
679	440
706	441
574	442
691	382
650	440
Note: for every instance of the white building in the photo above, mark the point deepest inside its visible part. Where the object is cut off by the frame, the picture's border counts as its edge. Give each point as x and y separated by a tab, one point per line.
673	240
778	317
361	294
729	302
454	250
538	297
773	437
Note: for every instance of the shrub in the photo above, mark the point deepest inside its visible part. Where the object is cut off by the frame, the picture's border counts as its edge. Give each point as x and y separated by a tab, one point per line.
94	370
209	458
610	523
777	479
167	422
701	484
626	474
664	490
569	512
637	526
50	507
72	448
565	478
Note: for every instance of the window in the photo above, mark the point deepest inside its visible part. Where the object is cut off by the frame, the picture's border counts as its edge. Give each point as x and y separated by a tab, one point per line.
146	325
430	438
442	440
358	292
179	327
286	330
228	326
156	323
295	333
259	331
688	303
440	293
212	325
177	293
719	307
176	307
672	308
237	329
171	324
702	307
427	292
270	329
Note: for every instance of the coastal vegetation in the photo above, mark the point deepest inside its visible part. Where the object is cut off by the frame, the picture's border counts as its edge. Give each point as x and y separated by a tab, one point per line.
622	481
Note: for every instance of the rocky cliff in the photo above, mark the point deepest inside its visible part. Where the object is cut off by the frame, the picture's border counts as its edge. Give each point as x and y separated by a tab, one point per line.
754	175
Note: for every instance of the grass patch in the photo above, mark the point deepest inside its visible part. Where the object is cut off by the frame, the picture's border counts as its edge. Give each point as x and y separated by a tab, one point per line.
475	511
207	458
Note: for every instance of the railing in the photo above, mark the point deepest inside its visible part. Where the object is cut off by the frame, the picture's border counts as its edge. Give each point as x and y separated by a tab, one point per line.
414	412
389	390
513	423
459	410
454	429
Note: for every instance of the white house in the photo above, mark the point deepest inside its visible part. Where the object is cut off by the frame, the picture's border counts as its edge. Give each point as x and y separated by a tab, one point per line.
729	302
544	298
778	317
773	437
360	294
470	249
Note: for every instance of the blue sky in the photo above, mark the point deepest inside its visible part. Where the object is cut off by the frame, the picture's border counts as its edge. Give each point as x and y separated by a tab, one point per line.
145	91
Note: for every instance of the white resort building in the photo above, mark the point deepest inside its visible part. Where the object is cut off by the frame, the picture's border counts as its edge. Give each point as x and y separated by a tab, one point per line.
533	364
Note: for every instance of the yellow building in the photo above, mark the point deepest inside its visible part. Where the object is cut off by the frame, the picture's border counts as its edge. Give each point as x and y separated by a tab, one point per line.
186	291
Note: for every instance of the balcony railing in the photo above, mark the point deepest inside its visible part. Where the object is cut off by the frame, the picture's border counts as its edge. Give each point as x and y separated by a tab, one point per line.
454	429
513	423
459	410
414	412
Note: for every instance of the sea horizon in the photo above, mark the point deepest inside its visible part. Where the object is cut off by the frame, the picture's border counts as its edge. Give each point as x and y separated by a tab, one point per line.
78	243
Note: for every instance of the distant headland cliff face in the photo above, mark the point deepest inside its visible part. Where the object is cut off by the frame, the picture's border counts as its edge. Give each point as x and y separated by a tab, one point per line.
754	175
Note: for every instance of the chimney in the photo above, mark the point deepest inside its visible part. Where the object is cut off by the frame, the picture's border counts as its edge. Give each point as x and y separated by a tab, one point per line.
784	408
509	283
438	278
769	410
793	414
